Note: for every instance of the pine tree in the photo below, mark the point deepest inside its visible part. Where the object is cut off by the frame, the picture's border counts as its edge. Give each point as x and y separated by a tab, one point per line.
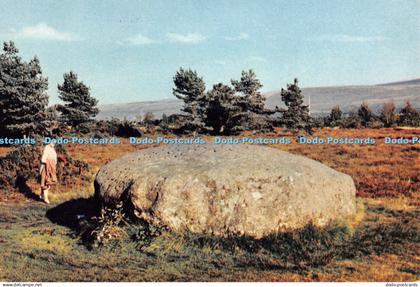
365	114
221	108
388	114
352	121
190	88
409	116
253	115
23	95
249	86
164	122
165	119
335	117
148	119
297	114
80	106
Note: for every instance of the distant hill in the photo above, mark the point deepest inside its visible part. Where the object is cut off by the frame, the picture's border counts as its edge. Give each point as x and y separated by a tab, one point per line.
134	109
410	82
322	100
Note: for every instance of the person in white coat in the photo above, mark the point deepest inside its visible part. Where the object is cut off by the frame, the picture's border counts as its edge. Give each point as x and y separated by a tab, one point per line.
48	170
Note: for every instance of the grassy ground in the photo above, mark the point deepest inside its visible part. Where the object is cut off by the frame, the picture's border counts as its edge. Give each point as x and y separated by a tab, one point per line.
48	243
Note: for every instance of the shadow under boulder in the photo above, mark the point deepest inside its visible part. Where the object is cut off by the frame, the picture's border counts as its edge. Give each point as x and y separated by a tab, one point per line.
70	213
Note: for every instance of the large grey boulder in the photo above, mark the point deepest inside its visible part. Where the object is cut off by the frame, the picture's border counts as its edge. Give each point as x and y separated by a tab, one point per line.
227	189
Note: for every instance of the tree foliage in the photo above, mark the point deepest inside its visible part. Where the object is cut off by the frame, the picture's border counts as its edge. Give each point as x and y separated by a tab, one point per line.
148	118
249	86
389	114
220	107
297	114
190	88
80	106
223	109
335	117
365	114
23	95
409	116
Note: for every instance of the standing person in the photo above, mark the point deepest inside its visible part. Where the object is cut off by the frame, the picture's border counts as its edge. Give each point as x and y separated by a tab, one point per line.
48	170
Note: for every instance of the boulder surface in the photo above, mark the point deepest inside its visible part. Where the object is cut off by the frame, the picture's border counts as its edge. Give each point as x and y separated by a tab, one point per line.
227	190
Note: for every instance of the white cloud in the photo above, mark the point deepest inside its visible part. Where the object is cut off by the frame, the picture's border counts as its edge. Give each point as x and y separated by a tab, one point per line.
240	37
257	59
42	31
190	38
138	40
351	38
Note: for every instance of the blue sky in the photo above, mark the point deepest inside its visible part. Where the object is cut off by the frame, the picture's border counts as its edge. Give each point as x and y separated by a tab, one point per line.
129	50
